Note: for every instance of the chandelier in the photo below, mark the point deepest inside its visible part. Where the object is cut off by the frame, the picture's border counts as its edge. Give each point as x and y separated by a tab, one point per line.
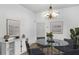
51	13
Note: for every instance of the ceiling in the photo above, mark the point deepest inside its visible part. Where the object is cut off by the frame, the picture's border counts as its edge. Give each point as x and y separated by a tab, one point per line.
42	7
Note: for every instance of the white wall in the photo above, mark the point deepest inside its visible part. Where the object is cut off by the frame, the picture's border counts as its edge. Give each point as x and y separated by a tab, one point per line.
26	17
70	18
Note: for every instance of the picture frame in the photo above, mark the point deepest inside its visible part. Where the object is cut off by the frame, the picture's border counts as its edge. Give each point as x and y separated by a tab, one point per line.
12	27
56	27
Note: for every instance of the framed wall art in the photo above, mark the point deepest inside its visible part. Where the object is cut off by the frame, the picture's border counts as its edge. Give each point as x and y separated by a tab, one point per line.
13	27
57	27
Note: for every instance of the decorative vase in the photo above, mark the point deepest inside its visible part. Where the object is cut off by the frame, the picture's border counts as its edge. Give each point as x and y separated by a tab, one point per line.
6	37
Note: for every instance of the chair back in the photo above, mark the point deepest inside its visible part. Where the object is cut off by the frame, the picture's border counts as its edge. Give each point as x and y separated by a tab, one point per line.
28	47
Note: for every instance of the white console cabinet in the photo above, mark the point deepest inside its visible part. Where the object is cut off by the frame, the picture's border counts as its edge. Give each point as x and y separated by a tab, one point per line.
12	47
7	48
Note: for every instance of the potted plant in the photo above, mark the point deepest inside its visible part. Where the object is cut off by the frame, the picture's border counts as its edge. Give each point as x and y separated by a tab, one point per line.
74	38
49	35
49	39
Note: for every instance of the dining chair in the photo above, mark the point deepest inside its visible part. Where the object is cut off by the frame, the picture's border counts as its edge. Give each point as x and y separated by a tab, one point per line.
33	51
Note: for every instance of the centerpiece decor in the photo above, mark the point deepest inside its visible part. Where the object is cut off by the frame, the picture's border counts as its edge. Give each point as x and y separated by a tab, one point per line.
6	37
50	35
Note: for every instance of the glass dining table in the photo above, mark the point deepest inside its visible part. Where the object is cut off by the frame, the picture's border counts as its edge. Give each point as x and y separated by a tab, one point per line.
51	45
